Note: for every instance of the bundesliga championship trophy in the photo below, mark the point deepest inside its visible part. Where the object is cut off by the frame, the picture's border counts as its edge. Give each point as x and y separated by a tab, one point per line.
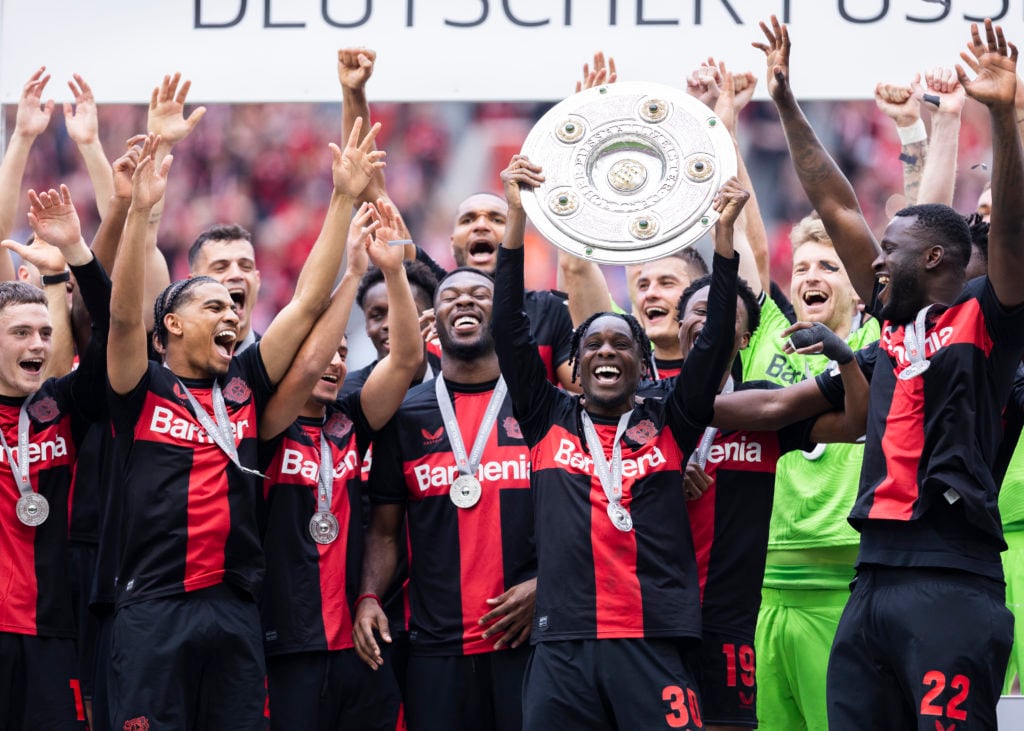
630	172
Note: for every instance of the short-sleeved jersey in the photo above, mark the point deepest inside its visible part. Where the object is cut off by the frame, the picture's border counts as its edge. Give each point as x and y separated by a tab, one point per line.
595	581
729	522
927	494
806	516
310	587
549	319
190	517
459	558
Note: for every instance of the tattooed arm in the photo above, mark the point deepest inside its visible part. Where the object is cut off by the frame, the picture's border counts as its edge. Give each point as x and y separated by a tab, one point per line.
824	183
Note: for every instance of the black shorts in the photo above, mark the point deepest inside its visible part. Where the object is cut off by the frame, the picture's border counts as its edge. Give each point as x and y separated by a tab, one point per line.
597	685
466	693
330	690
919	648
101	672
188	661
40	687
82	558
725	673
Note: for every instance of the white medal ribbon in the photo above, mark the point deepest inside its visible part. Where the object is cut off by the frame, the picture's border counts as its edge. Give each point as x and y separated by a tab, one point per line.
468	465
700	456
915	339
221	433
325	476
20	468
610	477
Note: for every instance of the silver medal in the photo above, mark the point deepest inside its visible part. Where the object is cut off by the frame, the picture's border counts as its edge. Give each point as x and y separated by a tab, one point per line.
323	527
465	491
620	517
914	370
33	509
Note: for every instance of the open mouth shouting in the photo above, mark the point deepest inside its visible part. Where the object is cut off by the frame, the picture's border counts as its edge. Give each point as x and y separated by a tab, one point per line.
607	374
466	323
224	341
814	300
481	252
32	366
238	297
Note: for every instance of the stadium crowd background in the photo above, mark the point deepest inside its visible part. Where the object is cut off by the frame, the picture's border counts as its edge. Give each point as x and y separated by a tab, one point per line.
264	167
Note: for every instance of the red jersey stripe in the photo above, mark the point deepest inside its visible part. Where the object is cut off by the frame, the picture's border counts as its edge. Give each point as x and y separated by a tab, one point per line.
901	444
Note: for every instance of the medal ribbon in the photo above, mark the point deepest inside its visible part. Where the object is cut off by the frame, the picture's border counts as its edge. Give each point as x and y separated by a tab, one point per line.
915	337
468	465
20	468
325	476
221	432
611	479
700	456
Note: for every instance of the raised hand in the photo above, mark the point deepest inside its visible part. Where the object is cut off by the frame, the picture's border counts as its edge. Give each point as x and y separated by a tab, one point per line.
704	82
124	167
900	103
601	73
942	83
520	172
53	217
353	167
166	116
385	255
996	65
33	116
746	84
355	66
149	180
776	52
47	259
360	231
82	122
729	201
725	105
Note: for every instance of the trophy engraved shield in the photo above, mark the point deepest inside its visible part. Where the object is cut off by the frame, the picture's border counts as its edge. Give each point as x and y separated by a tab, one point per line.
630	172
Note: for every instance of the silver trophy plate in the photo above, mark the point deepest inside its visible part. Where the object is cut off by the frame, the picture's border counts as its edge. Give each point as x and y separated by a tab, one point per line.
630	172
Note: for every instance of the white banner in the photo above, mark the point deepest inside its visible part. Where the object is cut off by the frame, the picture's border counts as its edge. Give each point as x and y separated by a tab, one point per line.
284	50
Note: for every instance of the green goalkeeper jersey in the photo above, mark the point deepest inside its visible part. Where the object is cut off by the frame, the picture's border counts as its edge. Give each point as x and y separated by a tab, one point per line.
814	492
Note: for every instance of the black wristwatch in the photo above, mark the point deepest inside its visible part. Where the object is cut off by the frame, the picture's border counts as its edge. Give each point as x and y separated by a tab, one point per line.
64	276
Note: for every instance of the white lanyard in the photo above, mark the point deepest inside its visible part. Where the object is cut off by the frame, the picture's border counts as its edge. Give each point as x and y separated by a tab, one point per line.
468	465
700	456
609	475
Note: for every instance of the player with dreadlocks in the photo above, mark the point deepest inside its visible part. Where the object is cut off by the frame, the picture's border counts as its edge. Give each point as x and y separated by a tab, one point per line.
647	360
615	556
185	433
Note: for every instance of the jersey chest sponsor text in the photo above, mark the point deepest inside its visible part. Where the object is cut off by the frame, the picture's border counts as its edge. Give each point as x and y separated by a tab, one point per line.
936	339
295	462
742	453
44	450
167	423
569	454
427	476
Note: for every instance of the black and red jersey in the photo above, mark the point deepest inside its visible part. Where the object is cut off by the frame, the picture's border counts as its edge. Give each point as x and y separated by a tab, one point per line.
459	557
668	368
310	587
729	522
189	516
595	581
927	495
35	587
354	380
550	323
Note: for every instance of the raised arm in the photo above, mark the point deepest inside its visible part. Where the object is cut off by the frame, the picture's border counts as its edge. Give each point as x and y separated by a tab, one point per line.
824	183
166	119
388	383
127	351
352	170
995	86
901	104
355	67
324	339
83	125
938	180
30	122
